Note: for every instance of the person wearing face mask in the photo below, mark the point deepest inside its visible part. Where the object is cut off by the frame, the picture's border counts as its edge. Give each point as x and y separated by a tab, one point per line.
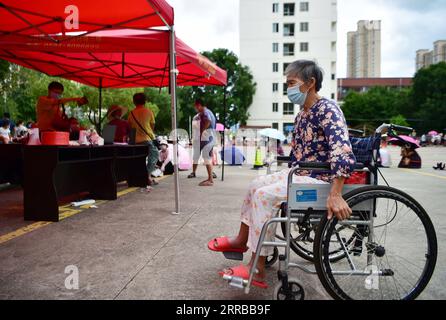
320	134
50	117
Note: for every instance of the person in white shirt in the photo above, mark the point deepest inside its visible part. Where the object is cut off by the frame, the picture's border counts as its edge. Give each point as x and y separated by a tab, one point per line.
384	155
165	158
20	130
5	132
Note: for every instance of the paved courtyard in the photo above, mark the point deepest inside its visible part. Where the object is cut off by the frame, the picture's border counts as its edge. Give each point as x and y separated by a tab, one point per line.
133	248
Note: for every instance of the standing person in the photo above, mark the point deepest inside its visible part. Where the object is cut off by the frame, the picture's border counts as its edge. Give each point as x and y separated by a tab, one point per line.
50	117
114	116
204	124
142	120
423	140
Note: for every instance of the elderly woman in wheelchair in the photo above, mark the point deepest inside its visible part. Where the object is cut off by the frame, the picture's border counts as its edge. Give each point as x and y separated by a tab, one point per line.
320	135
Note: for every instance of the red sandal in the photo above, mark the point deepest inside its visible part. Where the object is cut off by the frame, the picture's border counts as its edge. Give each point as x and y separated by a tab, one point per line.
242	271
223	245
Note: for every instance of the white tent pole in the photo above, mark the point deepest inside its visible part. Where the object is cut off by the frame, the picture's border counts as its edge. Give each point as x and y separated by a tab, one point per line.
173	86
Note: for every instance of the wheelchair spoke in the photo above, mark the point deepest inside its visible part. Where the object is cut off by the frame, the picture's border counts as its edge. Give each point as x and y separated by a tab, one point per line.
397	257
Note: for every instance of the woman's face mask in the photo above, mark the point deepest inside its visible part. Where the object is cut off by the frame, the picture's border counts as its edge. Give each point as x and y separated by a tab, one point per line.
296	96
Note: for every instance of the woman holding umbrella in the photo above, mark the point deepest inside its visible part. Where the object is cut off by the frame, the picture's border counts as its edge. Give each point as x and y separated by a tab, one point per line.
410	159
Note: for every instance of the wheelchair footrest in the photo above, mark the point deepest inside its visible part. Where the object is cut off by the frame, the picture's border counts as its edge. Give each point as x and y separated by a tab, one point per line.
235	281
233	256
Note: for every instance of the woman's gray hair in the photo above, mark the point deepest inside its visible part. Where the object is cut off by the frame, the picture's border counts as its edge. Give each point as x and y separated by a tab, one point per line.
305	70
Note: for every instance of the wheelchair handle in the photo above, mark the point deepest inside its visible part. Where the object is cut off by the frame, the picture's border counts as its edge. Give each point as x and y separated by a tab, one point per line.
390	126
401	128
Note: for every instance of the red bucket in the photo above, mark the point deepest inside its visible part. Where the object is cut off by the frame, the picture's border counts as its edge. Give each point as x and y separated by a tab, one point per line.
55	138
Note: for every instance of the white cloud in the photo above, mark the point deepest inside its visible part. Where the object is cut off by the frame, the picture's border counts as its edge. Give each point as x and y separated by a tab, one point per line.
206	25
407	25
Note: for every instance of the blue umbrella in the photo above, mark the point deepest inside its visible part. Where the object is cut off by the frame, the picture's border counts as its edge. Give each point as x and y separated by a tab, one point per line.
233	156
273	134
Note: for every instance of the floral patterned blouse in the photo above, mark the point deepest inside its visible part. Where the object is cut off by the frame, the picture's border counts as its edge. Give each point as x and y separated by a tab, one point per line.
321	135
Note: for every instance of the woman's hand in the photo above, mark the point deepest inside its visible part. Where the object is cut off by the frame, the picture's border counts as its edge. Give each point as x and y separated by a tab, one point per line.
337	206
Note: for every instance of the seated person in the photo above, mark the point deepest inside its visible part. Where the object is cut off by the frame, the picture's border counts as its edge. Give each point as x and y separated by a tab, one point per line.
5	132
49	114
75	128
410	159
20	130
320	135
114	116
165	158
385	160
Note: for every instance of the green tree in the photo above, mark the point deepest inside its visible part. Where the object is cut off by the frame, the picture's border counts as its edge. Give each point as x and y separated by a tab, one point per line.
377	105
399	120
240	90
160	99
429	98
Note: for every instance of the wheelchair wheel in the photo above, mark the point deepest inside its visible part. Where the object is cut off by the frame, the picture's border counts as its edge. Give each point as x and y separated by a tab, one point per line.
295	291
393	259
302	243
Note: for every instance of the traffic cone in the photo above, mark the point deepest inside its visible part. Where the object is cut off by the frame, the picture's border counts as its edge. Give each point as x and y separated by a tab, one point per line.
258	162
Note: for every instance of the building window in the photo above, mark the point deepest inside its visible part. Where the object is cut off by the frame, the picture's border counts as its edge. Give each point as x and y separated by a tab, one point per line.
275	67
275	47
304	47
275	125
285	65
275	87
288	9
275	28
333	76
288	109
275	107
288	49
275	7
288	29
333	96
304	6
285	89
304	27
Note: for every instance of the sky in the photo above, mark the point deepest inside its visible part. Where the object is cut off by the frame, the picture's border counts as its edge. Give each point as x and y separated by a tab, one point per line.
407	25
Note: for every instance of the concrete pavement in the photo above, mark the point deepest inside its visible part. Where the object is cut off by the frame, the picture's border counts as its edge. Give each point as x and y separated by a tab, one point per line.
133	248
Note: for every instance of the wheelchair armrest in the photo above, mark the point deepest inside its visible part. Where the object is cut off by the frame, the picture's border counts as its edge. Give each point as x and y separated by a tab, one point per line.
323	165
283	159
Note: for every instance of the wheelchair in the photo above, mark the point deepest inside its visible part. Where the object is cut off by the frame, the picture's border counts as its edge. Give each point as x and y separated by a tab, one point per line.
386	250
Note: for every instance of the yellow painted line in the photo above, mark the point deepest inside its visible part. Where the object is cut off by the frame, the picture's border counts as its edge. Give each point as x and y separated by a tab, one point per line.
22	231
65	211
424	173
126	191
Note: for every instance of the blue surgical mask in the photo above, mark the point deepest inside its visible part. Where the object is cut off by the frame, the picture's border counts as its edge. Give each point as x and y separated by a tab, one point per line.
296	96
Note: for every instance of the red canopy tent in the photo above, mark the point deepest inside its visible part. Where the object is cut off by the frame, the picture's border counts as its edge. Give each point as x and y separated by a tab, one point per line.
73	39
46	17
112	59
